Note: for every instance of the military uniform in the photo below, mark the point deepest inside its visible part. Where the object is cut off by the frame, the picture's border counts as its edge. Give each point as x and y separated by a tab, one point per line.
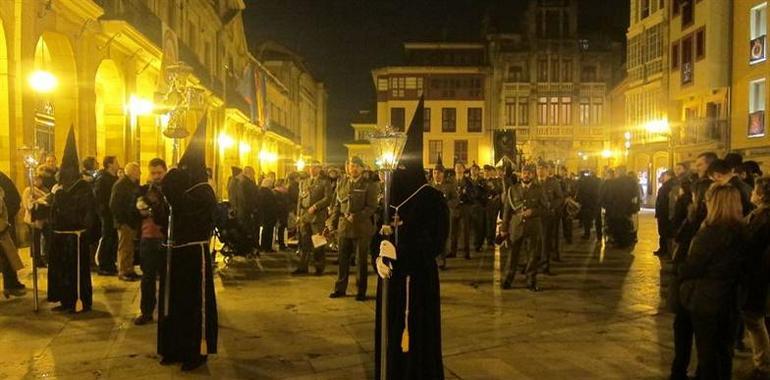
315	192
461	219
352	214
449	190
551	219
569	189
494	191
518	199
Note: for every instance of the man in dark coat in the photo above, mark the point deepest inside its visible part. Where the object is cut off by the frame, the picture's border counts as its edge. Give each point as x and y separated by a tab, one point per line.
421	223
107	252
663	214
127	219
621	202
69	275
551	216
187	326
268	213
12	202
587	194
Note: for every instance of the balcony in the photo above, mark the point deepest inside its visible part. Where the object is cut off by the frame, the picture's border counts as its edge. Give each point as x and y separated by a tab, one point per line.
555	87
703	131
282	130
137	14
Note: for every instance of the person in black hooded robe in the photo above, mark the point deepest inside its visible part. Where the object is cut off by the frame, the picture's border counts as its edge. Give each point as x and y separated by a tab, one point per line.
187	333
422	227
72	218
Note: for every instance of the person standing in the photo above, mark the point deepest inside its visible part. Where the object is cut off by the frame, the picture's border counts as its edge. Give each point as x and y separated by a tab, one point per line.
10	262
550	217
108	246
268	212
72	216
587	194
351	217
282	212
477	194
663	214
127	219
449	190
314	199
568	188
37	211
413	318
188	324
154	213
494	190
460	224
243	200
12	202
523	207
709	281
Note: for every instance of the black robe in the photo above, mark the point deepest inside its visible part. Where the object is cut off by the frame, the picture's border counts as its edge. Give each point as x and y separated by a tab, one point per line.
421	238
179	332
71	211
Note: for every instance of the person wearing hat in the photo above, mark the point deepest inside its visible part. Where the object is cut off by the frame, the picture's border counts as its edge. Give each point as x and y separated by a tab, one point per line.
524	205
315	196
552	215
354	204
663	214
494	191
449	190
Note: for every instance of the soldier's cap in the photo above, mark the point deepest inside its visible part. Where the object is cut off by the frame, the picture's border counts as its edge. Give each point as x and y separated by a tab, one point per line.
531	168
439	167
315	163
357	161
489	167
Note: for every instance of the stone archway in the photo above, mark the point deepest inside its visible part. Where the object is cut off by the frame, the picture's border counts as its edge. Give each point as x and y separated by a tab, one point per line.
55	112
110	91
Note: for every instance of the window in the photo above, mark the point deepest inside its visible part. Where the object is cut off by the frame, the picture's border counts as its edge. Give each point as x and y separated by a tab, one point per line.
585	111
510	113
448	120
758	42
757	108
700	44
597	110
566	70
588	73
645	12
688	66
553	111
676	7
397	85
523	111
397	118
542	70
461	150
554	70
675	55
566	110
426	120
516	74
474	119
382	84
688	12
435	150
542	111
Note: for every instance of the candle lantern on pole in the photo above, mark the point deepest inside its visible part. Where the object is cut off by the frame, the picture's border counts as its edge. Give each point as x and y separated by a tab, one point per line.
29	158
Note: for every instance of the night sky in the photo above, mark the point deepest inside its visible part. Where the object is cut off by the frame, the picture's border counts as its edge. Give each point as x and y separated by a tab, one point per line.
342	40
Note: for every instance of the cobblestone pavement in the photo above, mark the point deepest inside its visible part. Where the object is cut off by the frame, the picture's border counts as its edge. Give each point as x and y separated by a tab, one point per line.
599	317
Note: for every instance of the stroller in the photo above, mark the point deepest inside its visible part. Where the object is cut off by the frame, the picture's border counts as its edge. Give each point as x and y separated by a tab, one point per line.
235	238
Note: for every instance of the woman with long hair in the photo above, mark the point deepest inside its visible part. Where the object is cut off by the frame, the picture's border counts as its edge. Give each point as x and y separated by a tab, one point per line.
709	281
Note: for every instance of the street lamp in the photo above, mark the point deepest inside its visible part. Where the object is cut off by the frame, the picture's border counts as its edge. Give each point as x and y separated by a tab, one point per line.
137	107
43	82
31	163
388	144
662	127
300	164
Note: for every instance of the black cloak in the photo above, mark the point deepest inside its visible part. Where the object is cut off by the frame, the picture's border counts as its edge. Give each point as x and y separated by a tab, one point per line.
190	279
72	218
422	234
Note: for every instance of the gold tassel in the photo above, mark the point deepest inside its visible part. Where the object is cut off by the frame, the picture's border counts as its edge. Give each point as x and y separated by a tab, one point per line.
405	340
204	347
405	334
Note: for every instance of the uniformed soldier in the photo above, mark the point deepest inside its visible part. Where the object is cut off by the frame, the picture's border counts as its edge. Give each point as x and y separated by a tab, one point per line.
314	198
476	192
552	215
494	190
524	205
449	189
569	189
352	212
460	223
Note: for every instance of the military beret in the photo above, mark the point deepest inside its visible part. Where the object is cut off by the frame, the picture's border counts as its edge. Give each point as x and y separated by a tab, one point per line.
357	161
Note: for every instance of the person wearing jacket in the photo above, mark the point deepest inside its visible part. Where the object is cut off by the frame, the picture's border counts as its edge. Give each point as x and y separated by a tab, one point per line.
708	287
268	212
37	210
662	214
756	272
10	262
107	252
127	219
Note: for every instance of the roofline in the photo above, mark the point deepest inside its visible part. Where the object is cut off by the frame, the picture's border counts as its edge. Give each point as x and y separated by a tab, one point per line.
444	45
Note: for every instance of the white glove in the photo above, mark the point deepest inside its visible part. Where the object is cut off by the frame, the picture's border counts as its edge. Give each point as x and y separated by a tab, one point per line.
384	270
386	230
387	249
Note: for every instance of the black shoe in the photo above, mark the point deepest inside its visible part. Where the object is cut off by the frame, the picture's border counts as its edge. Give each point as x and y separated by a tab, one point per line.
142	320
361	298
194	364
128	277
336	295
62	308
451	255
319	272
283	248
166	361
506	285
467	256
534	288
298	272
585	237
548	272
107	272
15	292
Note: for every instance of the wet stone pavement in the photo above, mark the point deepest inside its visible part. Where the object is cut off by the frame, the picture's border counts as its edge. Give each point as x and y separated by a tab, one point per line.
599	317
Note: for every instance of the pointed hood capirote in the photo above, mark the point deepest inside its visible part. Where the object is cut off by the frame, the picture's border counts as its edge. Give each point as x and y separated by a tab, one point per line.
410	173
69	171
193	160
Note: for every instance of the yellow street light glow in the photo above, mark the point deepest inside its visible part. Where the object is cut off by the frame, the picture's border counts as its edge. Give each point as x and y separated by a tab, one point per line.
657	126
140	107
300	164
606	153
268	156
225	141
628	144
585	157
43	81
388	159
244	147
627	135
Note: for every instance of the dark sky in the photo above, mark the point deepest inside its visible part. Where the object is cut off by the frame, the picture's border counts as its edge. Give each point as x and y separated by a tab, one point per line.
342	40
